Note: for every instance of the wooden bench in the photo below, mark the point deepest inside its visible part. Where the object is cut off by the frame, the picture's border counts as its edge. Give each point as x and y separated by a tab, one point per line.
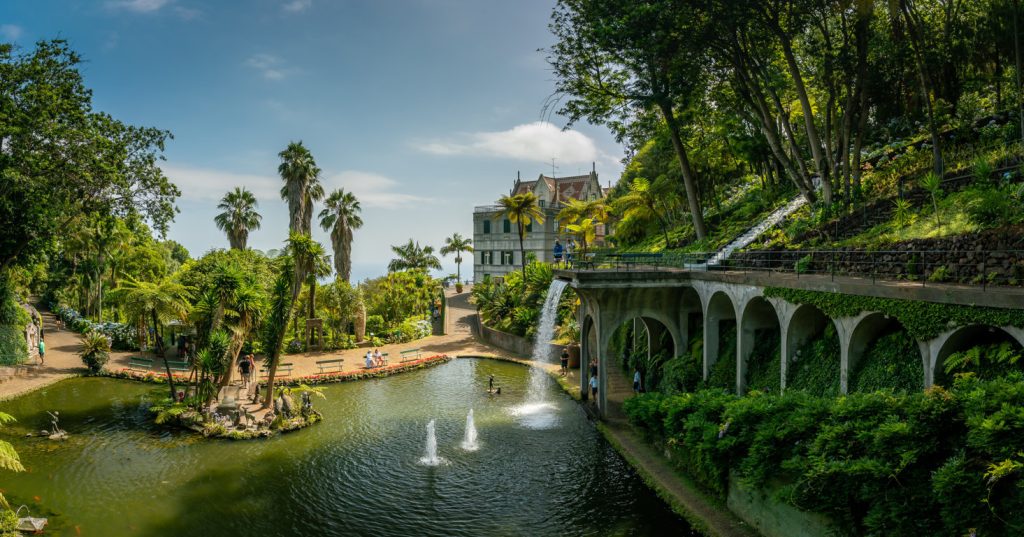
178	366
137	363
409	354
283	370
324	365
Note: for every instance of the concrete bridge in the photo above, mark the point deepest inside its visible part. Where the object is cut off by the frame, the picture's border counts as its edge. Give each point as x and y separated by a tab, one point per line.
684	303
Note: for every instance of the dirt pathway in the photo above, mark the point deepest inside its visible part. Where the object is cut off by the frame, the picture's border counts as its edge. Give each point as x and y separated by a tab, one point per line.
62	361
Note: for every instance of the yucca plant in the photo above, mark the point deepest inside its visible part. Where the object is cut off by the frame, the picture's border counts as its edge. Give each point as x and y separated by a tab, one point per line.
95	351
902	214
933	184
981	170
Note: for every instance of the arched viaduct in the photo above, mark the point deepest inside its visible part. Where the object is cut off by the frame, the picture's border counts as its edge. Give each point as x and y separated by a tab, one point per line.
672	300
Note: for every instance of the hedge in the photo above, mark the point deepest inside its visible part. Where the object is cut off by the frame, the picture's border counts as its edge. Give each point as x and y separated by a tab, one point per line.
938	462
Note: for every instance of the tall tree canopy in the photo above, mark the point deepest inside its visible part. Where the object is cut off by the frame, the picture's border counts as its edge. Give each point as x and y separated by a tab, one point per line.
340	217
60	159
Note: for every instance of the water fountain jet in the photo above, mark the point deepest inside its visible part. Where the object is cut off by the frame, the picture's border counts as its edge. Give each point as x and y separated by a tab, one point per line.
430	457
469	442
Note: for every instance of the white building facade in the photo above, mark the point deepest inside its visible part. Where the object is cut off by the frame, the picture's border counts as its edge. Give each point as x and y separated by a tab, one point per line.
496	239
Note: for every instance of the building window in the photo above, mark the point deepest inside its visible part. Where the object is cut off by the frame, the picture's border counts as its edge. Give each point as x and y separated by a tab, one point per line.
485	258
487	226
541	203
529	227
506	226
506	258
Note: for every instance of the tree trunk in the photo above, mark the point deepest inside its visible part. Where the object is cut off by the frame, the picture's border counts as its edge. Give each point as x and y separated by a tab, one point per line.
812	130
167	366
522	251
692	198
917	45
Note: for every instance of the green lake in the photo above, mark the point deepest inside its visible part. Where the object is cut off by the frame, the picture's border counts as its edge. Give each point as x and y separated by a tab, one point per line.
547	472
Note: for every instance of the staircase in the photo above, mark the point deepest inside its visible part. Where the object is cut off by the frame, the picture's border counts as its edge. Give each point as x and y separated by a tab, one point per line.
753	233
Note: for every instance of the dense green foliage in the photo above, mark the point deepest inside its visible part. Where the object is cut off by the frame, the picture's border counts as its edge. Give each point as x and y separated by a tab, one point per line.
723	371
891	362
95	351
987	361
512	304
926	463
922	320
764	367
62	161
815	367
13	320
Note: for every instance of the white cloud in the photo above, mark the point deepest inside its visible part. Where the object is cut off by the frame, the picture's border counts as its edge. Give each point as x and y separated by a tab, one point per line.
10	32
373	190
297	6
204	184
138	6
539	141
208	184
268	65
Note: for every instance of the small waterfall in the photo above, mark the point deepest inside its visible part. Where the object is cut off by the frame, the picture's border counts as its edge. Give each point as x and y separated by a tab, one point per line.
430	457
536	412
541	347
469	441
745	239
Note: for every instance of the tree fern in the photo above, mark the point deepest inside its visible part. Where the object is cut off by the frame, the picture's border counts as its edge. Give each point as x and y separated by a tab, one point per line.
9	459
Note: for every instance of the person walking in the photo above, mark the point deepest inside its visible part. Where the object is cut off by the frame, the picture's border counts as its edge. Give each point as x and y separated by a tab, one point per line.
243	370
565	361
593	388
636	380
42	349
558	253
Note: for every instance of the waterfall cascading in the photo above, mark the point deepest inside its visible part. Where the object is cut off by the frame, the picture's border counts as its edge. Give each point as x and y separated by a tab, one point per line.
541	346
469	442
430	457
748	237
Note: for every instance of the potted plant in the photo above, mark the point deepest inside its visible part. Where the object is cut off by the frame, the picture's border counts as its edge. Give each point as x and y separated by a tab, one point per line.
95	351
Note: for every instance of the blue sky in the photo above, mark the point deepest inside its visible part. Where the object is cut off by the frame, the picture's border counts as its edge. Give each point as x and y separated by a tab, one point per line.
423	108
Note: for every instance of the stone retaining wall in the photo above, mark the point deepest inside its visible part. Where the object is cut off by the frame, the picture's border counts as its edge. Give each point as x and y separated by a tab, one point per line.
994	256
511	342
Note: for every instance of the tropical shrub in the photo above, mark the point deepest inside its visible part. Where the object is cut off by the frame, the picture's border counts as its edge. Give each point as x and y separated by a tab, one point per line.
95	350
764	367
986	361
938	462
723	371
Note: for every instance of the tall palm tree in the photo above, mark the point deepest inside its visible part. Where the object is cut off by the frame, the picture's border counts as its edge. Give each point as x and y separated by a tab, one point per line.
340	217
239	216
456	244
320	267
302	186
159	302
412	257
522	210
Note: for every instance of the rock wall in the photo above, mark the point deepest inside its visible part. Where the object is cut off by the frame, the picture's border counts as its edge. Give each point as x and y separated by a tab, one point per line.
994	257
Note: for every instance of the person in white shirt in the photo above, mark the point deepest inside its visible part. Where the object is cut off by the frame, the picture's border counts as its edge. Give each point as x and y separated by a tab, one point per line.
369	359
636	380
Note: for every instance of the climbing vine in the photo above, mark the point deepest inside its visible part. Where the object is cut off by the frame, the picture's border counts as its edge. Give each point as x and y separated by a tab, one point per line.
764	367
923	320
815	367
723	371
892	362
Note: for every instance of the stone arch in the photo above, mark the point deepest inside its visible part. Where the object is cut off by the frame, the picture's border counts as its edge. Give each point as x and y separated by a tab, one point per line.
720	307
870	328
964	338
804	323
758	319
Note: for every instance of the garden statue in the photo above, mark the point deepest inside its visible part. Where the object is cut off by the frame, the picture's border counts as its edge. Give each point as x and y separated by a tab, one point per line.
56	433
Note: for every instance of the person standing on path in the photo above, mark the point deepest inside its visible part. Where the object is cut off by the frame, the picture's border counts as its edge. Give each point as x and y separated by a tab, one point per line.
593	388
636	381
565	361
558	253
42	349
243	370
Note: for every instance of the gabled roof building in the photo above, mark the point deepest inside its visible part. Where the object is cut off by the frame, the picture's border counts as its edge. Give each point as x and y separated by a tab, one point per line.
496	239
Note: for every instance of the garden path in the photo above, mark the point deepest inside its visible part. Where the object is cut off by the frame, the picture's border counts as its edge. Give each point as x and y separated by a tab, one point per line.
62	361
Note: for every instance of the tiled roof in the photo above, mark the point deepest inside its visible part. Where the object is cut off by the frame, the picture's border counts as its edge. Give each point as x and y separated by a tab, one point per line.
524	187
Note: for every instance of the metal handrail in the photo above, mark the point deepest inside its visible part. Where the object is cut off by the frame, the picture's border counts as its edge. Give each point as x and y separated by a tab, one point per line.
987	268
